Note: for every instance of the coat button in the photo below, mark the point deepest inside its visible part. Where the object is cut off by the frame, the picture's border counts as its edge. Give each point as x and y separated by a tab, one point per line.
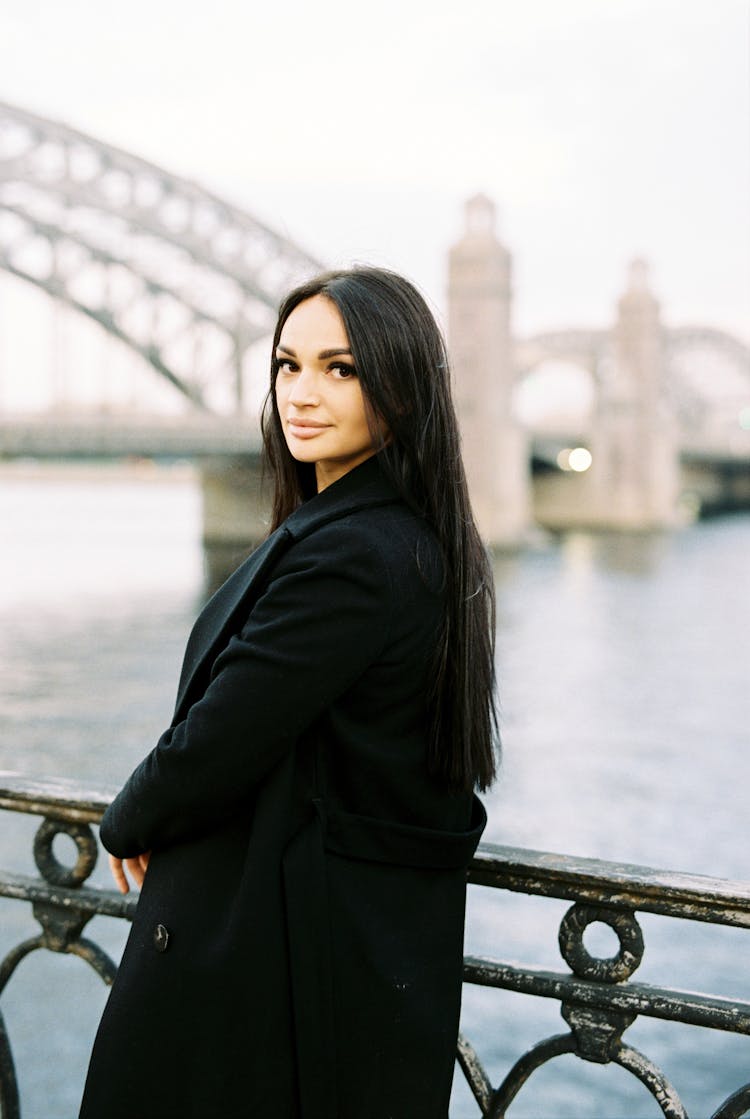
161	938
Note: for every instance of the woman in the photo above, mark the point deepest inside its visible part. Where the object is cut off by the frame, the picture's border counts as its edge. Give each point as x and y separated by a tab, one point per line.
297	947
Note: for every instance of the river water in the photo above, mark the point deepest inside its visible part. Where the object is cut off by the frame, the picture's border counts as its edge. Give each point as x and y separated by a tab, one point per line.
623	665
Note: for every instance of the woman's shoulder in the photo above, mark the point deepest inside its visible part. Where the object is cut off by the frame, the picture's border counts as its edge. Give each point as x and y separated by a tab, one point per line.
396	527
363	504
390	538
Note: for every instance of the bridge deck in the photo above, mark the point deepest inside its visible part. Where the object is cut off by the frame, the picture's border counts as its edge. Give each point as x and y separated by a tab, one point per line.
117	436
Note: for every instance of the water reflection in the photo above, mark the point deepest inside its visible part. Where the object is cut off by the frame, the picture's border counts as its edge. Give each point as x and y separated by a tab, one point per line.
633	553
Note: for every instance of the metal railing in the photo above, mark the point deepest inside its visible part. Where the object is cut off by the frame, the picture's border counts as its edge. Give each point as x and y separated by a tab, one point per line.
598	999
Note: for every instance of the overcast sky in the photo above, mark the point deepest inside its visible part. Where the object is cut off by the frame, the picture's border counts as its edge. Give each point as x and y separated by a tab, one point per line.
603	129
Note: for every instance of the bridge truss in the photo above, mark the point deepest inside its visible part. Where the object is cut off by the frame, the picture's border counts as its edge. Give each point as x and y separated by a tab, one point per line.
706	375
182	277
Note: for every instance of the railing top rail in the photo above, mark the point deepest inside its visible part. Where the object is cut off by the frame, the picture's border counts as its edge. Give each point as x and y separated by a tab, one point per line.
624	885
58	797
628	886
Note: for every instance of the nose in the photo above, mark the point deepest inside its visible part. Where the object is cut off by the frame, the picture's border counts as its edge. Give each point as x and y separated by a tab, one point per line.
304	391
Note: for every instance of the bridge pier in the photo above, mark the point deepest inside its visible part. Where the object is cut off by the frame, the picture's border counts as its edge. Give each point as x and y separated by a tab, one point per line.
635	468
235	513
495	449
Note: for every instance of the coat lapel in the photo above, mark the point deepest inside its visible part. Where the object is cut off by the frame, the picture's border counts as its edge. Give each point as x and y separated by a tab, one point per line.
215	622
363	487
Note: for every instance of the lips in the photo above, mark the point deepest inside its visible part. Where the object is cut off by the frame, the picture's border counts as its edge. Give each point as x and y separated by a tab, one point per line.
305	429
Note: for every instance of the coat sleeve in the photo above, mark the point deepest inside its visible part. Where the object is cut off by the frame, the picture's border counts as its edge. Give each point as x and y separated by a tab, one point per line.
322	620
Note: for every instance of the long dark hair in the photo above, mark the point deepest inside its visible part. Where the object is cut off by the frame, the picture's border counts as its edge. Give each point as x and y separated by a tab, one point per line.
401	361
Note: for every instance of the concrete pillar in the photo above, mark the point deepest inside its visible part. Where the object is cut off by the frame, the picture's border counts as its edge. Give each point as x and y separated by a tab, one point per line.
235	513
495	449
635	468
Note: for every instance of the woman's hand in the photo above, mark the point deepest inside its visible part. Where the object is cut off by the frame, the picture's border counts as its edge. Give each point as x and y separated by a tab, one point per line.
135	867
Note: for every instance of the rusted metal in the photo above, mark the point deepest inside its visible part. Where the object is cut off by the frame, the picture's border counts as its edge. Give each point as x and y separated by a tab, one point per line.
54	797
579	960
653	1078
50	867
474	1072
60	903
737	1105
618	885
106	903
542	1053
598	999
641	998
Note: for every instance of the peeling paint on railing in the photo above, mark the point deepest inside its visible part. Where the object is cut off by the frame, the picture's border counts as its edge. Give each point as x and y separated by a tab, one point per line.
599	1001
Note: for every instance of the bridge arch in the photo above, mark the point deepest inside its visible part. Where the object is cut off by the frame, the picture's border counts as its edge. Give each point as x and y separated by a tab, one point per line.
182	277
706	373
557	377
582	348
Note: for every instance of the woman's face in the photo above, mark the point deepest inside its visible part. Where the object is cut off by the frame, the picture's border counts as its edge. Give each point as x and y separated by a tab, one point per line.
318	394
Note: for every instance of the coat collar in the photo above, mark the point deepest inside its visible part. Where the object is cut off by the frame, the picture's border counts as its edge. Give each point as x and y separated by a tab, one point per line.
361	488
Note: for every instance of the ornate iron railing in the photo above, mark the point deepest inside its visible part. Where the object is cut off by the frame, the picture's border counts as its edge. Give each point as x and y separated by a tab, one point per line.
598	1000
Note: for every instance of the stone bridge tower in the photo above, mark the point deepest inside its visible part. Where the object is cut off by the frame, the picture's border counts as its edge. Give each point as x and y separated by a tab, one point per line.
495	449
635	464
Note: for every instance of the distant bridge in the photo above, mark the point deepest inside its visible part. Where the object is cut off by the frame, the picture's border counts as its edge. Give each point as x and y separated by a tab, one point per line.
115	436
191	283
706	379
183	278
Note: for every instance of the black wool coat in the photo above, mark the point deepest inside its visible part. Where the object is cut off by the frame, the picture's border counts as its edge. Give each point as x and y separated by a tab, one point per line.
297	947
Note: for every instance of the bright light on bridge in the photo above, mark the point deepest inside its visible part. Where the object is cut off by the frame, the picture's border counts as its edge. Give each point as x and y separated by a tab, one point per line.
744	418
575	458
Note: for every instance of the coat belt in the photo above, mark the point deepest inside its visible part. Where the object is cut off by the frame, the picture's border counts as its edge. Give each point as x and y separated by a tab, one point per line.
308	922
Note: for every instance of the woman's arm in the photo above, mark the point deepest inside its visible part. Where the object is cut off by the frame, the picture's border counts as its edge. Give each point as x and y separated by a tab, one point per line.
322	620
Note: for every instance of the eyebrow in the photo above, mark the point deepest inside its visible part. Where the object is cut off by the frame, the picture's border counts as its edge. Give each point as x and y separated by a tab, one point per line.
321	356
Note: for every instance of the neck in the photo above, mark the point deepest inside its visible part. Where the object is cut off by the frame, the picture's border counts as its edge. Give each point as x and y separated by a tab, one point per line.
326	473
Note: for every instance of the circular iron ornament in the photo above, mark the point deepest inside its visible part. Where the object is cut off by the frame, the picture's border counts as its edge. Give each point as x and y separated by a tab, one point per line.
613	969
737	1106
51	869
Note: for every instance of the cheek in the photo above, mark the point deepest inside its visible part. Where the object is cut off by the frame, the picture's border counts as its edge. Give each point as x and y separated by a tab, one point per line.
357	410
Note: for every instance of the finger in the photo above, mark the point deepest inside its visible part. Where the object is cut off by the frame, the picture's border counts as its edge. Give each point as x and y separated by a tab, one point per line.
143	860
118	873
135	870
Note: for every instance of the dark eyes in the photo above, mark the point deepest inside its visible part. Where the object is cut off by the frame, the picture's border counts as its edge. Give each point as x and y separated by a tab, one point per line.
341	370
284	365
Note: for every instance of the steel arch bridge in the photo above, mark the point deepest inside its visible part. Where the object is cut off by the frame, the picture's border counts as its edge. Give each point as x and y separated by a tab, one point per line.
182	277
706	371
